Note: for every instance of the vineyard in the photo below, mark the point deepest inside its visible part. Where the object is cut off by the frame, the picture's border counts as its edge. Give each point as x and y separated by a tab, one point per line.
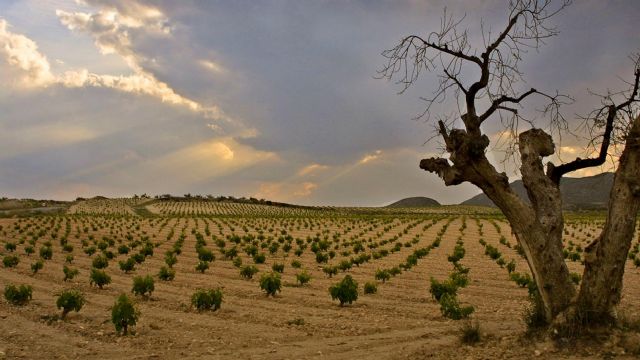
225	280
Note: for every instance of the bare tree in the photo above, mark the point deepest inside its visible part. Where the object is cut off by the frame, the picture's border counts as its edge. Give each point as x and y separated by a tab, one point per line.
493	96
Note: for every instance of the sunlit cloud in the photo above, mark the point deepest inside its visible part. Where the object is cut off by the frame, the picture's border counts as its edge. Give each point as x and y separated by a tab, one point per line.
370	157
312	169
22	53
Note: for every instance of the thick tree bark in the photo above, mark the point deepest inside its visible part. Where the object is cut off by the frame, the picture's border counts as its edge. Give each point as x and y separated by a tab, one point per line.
538	228
605	258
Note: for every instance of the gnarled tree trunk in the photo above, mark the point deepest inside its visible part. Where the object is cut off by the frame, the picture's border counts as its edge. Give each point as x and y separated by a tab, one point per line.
605	258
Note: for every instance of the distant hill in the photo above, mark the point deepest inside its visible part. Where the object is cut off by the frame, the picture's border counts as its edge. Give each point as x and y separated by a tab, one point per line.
591	192
418	201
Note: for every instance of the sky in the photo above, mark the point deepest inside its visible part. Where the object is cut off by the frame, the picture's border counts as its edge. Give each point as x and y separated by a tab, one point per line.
272	99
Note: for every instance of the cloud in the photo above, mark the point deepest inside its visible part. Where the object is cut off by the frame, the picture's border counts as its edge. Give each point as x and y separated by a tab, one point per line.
21	52
370	157
311	169
285	192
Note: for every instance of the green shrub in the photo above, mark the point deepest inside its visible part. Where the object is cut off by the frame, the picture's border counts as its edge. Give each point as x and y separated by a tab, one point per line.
68	259
207	299
270	283
492	252
70	300
166	273
29	250
370	287
68	248
124	314
237	262
439	289
459	279
511	266
330	270
278	267
450	308
100	262
382	275
205	254
69	273
458	254
521	280
575	278
127	265
138	258
170	259
90	250
143	286
303	277
99	278
18	295
37	266
321	257
259	258
123	249
202	266
10	261
10	247
248	271
346	291
46	252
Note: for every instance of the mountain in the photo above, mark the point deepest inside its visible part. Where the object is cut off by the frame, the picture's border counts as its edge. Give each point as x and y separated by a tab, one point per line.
591	192
418	201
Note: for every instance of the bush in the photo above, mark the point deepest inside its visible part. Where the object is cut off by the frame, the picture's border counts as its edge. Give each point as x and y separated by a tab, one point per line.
511	266
124	314
270	283
10	261
99	278
207	299
171	259
346	291
100	262
46	252
370	287
69	273
521	280
143	286
29	250
278	267
330	270
248	271
123	249
296	264
10	247
439	289
37	266
70	300
205	254
166	273
202	266
259	258
237	262
127	265
575	278
450	308
470	332
383	275
303	277
18	295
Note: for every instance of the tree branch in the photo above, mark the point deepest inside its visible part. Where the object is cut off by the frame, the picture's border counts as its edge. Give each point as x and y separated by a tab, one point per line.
555	173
